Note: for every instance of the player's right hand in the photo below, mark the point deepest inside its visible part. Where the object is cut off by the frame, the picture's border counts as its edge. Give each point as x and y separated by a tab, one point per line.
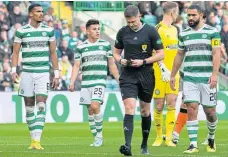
15	78
172	83
71	87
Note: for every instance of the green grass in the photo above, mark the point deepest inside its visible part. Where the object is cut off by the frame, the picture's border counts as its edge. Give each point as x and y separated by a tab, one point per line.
73	139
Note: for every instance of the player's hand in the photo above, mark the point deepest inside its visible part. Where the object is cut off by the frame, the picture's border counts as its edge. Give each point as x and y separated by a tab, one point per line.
136	62
172	83
55	83
123	62
15	78
165	72
213	81
71	87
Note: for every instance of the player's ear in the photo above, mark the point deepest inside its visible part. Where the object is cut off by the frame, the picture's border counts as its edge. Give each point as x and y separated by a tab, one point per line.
30	14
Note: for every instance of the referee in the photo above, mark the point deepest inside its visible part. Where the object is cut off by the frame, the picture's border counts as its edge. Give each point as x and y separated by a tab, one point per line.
137	78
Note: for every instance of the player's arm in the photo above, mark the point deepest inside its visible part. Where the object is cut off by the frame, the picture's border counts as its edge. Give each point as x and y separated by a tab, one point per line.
113	68
15	55
216	53
177	62
75	70
54	59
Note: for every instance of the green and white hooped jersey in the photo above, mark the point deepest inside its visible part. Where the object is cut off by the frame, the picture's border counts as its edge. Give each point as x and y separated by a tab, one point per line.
94	60
197	45
35	47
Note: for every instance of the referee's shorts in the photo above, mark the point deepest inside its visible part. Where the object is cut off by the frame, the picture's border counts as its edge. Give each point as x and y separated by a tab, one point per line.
137	83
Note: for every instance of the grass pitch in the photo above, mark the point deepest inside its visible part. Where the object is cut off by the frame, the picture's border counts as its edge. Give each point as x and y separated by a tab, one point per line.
73	140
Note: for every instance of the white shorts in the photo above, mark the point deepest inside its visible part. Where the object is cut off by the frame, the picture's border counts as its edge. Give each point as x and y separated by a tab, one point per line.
32	84
92	94
200	93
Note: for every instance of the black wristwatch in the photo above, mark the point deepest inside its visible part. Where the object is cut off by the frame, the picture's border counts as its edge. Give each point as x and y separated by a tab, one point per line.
144	62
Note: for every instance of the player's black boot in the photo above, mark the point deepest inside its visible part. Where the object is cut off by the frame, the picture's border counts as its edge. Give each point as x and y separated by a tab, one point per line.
144	150
126	150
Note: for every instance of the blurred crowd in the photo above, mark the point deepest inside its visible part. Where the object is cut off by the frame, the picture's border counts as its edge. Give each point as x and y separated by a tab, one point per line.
14	14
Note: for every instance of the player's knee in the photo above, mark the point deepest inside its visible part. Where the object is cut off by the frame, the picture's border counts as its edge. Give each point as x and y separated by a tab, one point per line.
159	107
191	111
41	106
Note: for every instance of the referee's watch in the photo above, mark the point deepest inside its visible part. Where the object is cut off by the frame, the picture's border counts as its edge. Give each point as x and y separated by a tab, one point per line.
144	62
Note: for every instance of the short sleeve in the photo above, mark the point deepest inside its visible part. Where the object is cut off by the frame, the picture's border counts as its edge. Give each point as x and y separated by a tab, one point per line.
109	51
215	39
156	41
180	43
119	40
18	37
52	35
77	55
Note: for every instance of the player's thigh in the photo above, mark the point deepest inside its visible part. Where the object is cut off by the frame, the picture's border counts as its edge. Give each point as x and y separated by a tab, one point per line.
208	95
26	85
159	89
146	86
42	83
98	94
85	96
191	92
128	85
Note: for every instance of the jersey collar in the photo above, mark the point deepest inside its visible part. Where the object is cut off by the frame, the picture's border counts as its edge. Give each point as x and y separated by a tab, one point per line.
92	43
139	28
34	27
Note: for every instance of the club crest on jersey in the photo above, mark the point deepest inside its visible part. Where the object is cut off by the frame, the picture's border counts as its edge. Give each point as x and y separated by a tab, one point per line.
44	34
144	47
204	36
100	47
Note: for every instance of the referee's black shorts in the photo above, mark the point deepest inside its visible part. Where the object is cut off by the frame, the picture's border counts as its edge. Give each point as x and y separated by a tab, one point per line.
137	83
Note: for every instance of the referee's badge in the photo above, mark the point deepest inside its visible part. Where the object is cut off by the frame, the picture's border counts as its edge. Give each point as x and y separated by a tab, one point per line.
144	47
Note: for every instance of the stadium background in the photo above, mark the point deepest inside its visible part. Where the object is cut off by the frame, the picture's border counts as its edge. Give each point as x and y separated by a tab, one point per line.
68	19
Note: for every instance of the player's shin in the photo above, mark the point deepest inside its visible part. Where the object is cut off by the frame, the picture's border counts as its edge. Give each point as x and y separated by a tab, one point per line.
192	127
170	121
181	121
158	121
211	129
98	118
146	125
92	124
31	119
40	120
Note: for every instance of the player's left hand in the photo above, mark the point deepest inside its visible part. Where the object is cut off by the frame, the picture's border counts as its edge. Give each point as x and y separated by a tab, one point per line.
213	81
165	72
136	62
55	83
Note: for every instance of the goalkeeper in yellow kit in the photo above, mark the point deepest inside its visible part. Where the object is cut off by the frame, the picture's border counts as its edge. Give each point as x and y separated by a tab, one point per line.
162	91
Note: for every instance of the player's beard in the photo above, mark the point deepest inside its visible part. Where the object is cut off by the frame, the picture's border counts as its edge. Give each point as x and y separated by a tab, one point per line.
194	23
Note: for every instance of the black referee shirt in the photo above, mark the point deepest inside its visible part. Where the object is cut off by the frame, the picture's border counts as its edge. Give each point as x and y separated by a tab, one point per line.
140	44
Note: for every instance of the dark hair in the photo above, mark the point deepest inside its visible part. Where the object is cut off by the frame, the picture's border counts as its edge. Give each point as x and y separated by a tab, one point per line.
32	6
92	22
131	11
197	7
